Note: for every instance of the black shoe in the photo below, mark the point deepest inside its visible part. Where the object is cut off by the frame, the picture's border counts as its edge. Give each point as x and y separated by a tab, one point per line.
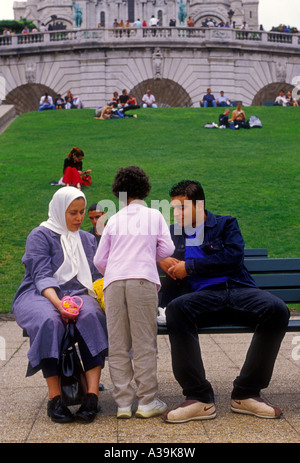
58	412
89	408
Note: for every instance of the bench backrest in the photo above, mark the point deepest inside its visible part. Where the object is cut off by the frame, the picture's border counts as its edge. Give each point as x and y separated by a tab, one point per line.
255	253
280	277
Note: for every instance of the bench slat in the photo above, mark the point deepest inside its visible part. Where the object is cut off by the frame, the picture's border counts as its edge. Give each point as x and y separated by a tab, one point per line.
287	295
289	265
255	253
278	280
280	277
294	326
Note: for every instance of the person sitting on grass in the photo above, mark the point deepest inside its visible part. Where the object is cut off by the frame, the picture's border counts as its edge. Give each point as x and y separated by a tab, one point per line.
58	261
46	103
210	259
73	174
123	99
148	100
238	117
115	101
290	100
108	112
132	100
132	242
59	102
281	99
224	120
72	102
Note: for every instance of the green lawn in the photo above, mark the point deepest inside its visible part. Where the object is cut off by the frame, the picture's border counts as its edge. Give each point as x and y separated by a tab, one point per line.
251	174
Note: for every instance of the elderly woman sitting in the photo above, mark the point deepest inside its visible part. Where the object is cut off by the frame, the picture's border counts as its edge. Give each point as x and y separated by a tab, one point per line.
58	262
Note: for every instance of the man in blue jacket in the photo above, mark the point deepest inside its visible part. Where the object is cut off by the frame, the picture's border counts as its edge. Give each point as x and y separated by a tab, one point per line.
209	99
206	284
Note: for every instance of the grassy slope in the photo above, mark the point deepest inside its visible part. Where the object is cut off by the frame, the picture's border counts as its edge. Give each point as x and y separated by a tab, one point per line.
251	174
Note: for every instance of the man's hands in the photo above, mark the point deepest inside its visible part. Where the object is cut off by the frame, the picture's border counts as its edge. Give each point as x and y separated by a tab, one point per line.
178	270
173	267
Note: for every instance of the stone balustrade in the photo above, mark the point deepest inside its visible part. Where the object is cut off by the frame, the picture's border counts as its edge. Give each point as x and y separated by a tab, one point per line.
136	36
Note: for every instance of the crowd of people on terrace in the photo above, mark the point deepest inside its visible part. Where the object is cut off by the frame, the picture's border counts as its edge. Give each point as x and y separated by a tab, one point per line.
154	22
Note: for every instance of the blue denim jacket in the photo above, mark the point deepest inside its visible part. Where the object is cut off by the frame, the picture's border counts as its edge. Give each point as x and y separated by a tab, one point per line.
222	247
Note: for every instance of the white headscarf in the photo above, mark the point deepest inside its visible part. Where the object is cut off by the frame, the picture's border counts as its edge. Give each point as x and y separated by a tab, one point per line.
75	261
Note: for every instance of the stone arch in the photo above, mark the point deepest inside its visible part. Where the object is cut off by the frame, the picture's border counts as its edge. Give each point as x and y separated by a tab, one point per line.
167	93
200	18
270	92
26	98
66	20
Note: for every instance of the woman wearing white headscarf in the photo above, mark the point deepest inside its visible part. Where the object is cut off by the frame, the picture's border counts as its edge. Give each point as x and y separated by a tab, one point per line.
58	262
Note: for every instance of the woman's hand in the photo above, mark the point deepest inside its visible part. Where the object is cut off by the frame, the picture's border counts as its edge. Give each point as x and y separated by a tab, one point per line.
51	294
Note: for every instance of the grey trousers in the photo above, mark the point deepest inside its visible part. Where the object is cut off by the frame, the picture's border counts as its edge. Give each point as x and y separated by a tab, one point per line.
131	309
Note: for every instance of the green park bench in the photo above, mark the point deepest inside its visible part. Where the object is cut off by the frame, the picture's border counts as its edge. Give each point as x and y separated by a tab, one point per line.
280	277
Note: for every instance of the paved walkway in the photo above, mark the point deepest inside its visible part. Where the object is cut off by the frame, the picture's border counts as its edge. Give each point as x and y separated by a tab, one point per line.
23	400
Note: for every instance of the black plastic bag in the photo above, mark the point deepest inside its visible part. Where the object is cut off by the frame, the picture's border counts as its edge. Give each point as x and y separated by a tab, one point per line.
72	378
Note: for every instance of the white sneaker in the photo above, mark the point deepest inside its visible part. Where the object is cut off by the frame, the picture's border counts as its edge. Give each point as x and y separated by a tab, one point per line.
124	412
161	318
155	408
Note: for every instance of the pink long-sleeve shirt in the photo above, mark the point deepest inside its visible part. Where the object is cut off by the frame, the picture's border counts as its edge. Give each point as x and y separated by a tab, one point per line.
134	239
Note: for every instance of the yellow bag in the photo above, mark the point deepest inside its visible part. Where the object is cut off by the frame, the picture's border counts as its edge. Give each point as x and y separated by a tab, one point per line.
98	288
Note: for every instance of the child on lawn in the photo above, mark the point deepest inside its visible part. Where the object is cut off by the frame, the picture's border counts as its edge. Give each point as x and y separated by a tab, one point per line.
133	241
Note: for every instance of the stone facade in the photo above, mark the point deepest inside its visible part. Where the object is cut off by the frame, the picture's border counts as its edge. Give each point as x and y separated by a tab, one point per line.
177	64
104	12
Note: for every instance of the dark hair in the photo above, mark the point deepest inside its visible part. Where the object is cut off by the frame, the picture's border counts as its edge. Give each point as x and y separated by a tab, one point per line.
190	188
133	181
95	207
75	152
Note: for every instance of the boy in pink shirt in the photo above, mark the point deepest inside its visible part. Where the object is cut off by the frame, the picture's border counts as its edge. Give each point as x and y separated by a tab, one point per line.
133	241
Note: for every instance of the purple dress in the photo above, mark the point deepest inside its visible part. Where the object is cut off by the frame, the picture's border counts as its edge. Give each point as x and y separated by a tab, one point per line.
38	316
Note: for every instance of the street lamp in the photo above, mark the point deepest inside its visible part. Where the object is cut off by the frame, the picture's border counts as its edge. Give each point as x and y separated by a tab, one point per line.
230	14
